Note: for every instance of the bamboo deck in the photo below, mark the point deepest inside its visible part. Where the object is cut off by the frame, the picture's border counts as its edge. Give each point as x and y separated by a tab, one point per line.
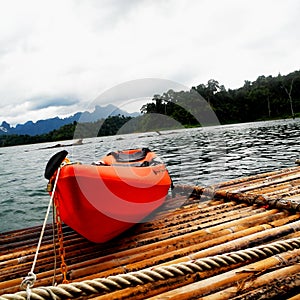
236	240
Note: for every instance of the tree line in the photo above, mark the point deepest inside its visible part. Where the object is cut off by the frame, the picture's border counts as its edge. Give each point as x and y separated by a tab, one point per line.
263	99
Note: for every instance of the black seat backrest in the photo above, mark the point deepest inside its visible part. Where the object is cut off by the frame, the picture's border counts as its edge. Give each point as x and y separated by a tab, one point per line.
130	157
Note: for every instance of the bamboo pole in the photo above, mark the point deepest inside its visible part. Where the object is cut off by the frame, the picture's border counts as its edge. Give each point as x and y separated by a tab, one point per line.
212	227
193	238
284	191
185	220
230	242
179	283
296	297
260	200
247	183
29	236
270	176
284	248
280	189
259	284
145	291
267	183
224	280
195	224
85	268
248	237
184	213
183	241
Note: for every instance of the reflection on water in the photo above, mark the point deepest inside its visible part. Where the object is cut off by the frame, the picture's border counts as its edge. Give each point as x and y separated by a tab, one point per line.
201	156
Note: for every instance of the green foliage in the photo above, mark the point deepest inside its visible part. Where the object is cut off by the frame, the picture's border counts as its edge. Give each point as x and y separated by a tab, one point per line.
109	126
264	99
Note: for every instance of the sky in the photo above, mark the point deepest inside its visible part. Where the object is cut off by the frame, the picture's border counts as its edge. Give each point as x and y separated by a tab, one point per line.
59	57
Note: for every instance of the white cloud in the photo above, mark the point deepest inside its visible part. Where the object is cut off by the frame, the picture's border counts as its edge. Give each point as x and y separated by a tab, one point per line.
82	48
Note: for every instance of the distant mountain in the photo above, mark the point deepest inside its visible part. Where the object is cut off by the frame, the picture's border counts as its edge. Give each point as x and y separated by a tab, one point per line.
45	126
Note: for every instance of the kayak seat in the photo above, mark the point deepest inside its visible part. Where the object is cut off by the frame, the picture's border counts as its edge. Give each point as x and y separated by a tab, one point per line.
127	156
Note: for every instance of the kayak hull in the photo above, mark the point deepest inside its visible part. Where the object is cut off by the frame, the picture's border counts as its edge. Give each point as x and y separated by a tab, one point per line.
102	201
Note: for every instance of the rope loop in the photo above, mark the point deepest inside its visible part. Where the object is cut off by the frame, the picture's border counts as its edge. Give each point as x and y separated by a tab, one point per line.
28	281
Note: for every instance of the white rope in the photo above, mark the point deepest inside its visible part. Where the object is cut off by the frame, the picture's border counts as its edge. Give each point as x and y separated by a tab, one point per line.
54	245
30	279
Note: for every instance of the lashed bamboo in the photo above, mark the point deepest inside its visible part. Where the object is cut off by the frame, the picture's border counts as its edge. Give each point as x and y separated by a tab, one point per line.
258	284
180	230
186	250
267	183
259	178
245	182
141	292
281	203
208	286
200	266
94	263
248	237
296	297
282	189
47	248
261	184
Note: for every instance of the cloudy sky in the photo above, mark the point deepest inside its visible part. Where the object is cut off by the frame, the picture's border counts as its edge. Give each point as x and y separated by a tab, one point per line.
57	56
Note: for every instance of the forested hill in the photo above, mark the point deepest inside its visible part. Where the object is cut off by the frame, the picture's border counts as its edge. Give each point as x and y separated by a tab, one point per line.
75	130
263	99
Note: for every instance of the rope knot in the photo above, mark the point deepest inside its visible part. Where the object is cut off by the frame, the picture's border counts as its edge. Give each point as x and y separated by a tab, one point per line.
28	281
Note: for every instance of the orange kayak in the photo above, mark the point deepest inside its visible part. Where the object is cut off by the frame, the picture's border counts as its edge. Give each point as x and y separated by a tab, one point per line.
102	200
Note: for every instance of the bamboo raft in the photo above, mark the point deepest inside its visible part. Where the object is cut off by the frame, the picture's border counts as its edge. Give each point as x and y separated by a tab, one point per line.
236	240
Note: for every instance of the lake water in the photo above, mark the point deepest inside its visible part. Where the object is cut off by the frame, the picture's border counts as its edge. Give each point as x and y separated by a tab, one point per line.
201	156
